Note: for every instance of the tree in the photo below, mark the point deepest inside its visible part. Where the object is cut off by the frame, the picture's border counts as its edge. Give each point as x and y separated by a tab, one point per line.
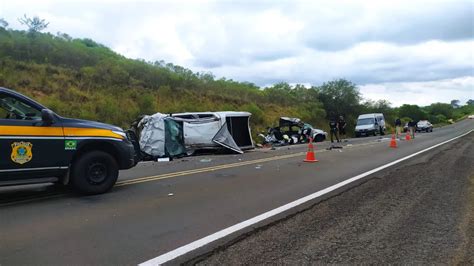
412	111
340	97
470	102
456	103
34	24
444	109
3	23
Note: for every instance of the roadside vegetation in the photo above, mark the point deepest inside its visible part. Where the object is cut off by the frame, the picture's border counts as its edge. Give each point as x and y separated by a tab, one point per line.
84	79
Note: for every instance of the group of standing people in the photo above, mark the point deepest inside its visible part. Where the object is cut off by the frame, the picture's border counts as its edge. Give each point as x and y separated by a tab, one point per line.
411	128
337	128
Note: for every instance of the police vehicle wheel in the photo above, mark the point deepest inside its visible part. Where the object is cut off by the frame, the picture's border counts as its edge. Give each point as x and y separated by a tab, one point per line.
94	172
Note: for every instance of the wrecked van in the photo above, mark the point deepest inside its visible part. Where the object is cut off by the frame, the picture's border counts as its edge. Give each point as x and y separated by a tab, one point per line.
214	130
181	134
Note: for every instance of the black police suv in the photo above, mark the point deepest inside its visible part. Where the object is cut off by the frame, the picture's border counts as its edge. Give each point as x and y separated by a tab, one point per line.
39	146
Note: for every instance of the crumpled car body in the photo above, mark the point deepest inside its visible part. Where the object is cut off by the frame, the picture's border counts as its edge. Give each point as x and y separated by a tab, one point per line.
292	130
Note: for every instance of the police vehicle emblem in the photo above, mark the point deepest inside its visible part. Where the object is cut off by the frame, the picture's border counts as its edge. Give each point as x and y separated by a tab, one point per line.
22	152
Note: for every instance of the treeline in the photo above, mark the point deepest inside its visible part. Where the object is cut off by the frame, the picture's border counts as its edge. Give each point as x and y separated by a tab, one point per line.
84	79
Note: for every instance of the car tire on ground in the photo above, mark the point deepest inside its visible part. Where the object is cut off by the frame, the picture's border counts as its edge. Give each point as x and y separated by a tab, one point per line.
94	172
319	138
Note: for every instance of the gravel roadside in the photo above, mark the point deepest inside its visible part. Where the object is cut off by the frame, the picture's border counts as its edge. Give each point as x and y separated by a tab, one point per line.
416	212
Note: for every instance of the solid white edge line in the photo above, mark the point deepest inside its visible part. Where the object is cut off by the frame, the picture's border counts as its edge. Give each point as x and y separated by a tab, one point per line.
234	228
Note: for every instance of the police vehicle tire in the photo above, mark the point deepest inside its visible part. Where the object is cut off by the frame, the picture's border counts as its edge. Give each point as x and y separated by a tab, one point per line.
94	172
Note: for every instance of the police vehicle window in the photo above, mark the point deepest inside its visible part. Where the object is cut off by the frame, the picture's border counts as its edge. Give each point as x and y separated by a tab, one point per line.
3	113
13	108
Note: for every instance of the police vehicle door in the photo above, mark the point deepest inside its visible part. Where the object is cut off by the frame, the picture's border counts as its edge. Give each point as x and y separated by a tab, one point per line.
27	144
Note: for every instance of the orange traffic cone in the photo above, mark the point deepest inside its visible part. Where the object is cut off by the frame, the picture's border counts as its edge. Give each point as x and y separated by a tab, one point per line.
393	142
407	136
310	158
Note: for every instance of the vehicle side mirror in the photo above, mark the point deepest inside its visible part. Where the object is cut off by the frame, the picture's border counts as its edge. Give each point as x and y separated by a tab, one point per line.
47	116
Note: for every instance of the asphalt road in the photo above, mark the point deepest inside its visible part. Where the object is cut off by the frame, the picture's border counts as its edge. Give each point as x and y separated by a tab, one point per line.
157	207
417	213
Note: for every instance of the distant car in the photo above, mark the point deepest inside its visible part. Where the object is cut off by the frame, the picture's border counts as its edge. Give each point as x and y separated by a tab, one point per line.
471	117
424	125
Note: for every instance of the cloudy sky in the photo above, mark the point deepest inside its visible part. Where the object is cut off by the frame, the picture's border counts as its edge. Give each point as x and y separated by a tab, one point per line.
416	52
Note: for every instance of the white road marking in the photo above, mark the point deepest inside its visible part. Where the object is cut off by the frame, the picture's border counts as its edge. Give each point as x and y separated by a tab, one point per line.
232	229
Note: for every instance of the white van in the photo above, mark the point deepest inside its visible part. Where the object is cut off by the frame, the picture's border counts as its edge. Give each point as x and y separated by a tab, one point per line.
370	124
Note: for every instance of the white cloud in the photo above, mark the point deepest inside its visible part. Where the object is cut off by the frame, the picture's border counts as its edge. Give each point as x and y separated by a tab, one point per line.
422	93
368	42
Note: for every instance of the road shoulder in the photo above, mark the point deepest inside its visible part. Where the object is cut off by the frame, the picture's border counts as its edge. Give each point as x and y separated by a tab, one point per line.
417	212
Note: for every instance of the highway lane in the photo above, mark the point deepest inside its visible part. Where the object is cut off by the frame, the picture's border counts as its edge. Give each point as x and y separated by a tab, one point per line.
139	221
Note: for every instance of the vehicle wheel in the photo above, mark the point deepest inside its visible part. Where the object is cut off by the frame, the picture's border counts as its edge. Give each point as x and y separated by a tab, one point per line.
94	172
357	135
318	138
375	133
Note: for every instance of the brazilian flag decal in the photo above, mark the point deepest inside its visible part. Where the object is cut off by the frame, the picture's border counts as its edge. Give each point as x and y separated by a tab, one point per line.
70	145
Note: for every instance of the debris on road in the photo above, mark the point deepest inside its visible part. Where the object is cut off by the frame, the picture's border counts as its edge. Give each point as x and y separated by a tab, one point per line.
334	147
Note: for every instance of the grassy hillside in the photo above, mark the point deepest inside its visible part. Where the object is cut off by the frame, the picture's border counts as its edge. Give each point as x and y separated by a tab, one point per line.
80	78
83	79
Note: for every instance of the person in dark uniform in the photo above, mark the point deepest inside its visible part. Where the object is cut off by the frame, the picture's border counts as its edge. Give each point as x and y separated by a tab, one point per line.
412	128
398	126
341	124
333	129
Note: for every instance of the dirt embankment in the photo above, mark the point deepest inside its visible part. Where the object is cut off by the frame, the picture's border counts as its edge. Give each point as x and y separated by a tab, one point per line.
417	212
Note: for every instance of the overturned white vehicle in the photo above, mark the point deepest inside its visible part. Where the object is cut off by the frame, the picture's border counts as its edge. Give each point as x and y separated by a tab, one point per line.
176	135
211	130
